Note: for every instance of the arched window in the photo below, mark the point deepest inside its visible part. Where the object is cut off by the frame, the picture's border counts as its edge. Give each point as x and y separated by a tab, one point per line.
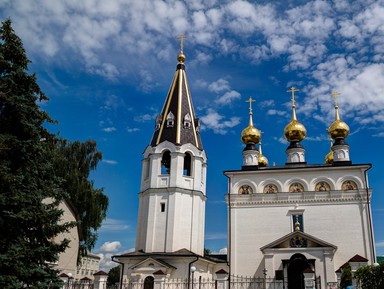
187	165
166	163
149	282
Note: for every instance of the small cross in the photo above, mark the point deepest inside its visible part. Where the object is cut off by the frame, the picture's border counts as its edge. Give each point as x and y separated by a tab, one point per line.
293	90
181	37
250	100
335	94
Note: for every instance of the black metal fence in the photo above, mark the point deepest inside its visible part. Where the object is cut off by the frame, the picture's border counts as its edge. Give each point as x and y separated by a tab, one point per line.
234	282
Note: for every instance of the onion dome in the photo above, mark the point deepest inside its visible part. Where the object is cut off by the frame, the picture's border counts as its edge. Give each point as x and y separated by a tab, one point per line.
250	135
263	161
329	157
294	131
338	129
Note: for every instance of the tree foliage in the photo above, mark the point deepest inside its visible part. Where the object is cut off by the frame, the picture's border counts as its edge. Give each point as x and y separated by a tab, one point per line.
28	224
74	162
370	277
113	276
346	277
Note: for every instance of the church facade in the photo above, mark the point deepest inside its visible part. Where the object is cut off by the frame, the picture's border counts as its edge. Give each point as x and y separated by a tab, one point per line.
295	223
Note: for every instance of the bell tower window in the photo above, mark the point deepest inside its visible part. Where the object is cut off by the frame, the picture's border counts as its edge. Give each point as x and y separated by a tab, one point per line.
166	163
170	119
187	165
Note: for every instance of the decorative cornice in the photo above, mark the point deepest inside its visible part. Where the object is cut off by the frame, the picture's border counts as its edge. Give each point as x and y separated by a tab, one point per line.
300	198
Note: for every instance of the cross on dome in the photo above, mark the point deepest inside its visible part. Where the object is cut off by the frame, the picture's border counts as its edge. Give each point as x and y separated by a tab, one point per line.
293	90
335	95
250	100
181	37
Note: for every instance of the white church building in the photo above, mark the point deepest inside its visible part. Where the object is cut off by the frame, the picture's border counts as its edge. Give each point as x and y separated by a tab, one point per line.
292	226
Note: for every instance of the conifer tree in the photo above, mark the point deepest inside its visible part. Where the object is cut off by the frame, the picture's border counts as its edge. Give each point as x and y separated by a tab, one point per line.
29	223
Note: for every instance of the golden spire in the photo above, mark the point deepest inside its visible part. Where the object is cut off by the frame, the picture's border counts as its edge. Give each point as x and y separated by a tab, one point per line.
294	131
329	157
250	135
263	161
338	129
181	56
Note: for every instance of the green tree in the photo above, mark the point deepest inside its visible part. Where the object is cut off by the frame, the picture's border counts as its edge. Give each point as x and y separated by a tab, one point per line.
74	162
346	277
29	224
113	276
370	276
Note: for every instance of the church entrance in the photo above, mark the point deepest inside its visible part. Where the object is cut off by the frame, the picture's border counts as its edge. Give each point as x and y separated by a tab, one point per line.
296	266
149	282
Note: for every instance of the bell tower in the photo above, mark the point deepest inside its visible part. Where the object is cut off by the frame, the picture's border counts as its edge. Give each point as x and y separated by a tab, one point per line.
172	192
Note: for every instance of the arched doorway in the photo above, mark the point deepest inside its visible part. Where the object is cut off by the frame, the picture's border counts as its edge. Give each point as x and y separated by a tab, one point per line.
148	282
297	264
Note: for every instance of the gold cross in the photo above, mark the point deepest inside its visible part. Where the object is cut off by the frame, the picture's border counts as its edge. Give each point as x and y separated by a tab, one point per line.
293	90
250	100
335	94
181	37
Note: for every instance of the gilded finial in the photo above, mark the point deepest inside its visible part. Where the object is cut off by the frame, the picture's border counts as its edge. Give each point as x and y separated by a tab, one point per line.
263	161
293	90
181	56
297	224
250	100
181	37
250	135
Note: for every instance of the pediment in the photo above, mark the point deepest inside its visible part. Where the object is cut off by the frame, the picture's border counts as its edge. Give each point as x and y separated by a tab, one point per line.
298	240
151	265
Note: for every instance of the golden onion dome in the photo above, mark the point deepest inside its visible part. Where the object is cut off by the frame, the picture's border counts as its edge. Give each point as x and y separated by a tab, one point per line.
338	129
250	135
294	131
262	160
329	157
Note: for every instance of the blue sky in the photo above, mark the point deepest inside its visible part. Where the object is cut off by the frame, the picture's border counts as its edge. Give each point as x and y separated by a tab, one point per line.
107	67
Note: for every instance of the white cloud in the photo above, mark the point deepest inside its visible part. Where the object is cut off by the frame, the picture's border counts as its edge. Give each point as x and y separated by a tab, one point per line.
214	121
111	225
223	251
110	162
228	97
109	129
132	129
380	244
144	117
219	86
110	247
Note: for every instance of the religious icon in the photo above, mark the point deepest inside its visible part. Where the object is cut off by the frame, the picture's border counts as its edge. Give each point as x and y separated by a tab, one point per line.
349	185
270	189
322	187
296	188
245	190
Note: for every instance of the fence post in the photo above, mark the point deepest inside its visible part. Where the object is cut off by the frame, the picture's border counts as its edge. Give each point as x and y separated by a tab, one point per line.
309	279
159	278
100	281
221	279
